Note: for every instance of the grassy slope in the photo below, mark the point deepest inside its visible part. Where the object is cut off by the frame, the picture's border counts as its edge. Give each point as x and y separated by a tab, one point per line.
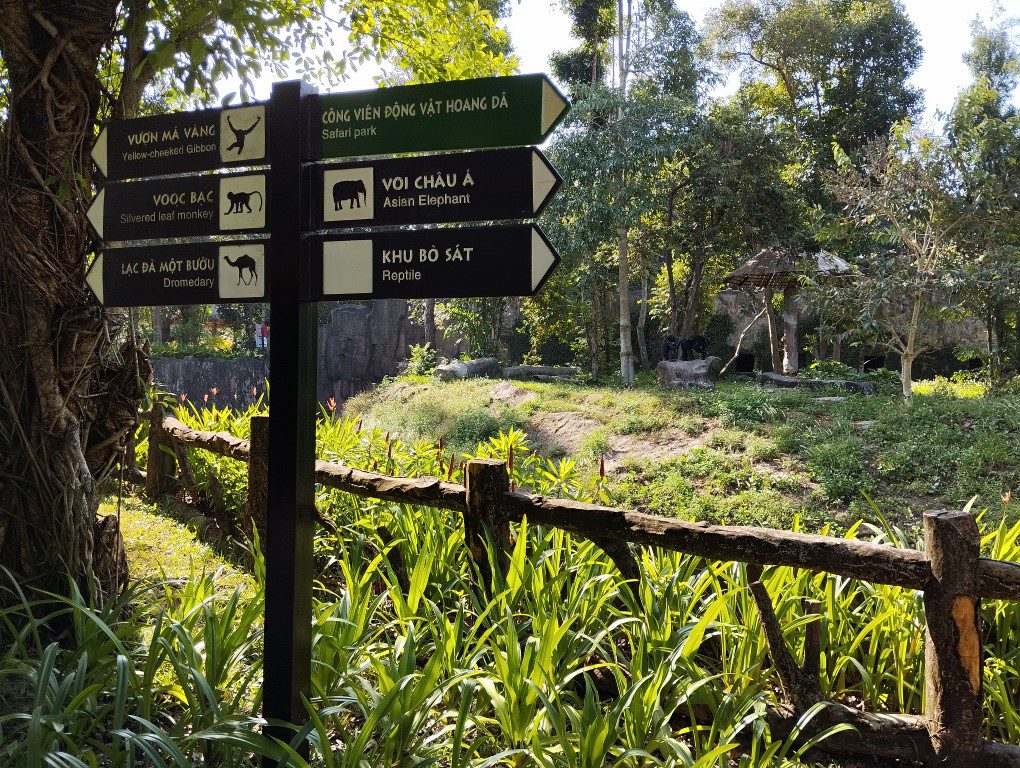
742	453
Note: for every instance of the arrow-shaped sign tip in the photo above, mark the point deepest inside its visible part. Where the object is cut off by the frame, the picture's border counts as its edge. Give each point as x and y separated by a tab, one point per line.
94	278
553	105
99	153
543	258
95	212
544	180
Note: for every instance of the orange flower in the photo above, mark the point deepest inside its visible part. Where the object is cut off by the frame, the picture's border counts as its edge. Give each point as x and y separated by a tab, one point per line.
183	397
205	399
215	391
331	404
1006	497
602	466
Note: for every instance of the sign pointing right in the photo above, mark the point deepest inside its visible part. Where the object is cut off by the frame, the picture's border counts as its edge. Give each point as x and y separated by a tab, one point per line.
432	263
453	114
466	186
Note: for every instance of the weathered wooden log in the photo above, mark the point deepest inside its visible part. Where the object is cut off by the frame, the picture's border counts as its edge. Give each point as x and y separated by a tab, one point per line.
488	484
952	652
160	468
422	491
184	473
257	503
877	563
778	380
998	579
219	443
622	556
539	372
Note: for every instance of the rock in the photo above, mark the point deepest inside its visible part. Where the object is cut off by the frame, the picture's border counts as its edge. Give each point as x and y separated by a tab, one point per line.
470	369
830	399
675	374
860	387
866	424
539	372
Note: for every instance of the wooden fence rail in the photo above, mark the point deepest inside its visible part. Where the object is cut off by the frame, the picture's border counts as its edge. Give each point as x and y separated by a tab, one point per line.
950	573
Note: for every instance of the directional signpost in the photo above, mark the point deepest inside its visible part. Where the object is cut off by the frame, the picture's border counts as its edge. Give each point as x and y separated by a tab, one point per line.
464	262
462	187
196	273
186	142
183	206
326	225
459	114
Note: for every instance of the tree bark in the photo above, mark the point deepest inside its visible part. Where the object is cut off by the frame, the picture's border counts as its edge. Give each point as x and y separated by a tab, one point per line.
626	347
774	344
909	353
692	300
643	324
69	392
952	700
791	355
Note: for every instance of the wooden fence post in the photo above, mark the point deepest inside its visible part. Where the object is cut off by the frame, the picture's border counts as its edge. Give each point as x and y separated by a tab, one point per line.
953	639
487	480
258	481
160	468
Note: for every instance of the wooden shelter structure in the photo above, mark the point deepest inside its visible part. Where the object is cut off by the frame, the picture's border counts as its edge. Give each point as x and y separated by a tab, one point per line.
772	270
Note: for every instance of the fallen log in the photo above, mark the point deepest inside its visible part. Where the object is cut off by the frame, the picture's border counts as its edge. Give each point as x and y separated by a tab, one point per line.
539	372
778	380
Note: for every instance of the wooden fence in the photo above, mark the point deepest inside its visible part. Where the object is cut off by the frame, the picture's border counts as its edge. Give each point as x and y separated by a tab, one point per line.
951	574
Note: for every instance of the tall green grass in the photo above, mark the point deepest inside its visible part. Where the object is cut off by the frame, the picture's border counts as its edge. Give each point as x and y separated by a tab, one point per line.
415	661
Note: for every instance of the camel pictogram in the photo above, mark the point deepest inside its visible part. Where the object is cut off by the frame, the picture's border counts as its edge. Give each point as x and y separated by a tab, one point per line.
242	263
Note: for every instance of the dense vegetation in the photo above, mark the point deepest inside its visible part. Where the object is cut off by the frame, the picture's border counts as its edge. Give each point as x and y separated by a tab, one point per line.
561	664
741	453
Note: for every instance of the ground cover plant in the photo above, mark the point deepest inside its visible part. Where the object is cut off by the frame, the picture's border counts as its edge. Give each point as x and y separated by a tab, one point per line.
742	453
561	663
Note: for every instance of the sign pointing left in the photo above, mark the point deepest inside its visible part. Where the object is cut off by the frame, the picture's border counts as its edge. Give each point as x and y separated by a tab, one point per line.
194	273
185	142
185	206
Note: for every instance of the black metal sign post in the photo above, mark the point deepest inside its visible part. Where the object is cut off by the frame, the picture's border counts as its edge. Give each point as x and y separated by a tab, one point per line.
291	523
511	260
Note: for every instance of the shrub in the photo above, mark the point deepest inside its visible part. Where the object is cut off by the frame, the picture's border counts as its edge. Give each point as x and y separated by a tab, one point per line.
422	360
473	427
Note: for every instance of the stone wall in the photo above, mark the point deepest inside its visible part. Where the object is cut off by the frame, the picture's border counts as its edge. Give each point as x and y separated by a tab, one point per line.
196	377
358	347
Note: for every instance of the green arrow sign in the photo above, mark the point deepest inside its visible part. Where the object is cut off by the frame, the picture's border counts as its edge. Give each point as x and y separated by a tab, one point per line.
459	114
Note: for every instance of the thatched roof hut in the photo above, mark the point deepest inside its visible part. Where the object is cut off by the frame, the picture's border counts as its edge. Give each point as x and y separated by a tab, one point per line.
773	270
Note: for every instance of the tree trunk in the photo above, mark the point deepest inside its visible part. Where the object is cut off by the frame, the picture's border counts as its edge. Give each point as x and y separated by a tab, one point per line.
909	353
674	304
160	327
642	325
692	301
626	347
837	343
774	344
791	355
68	392
594	347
